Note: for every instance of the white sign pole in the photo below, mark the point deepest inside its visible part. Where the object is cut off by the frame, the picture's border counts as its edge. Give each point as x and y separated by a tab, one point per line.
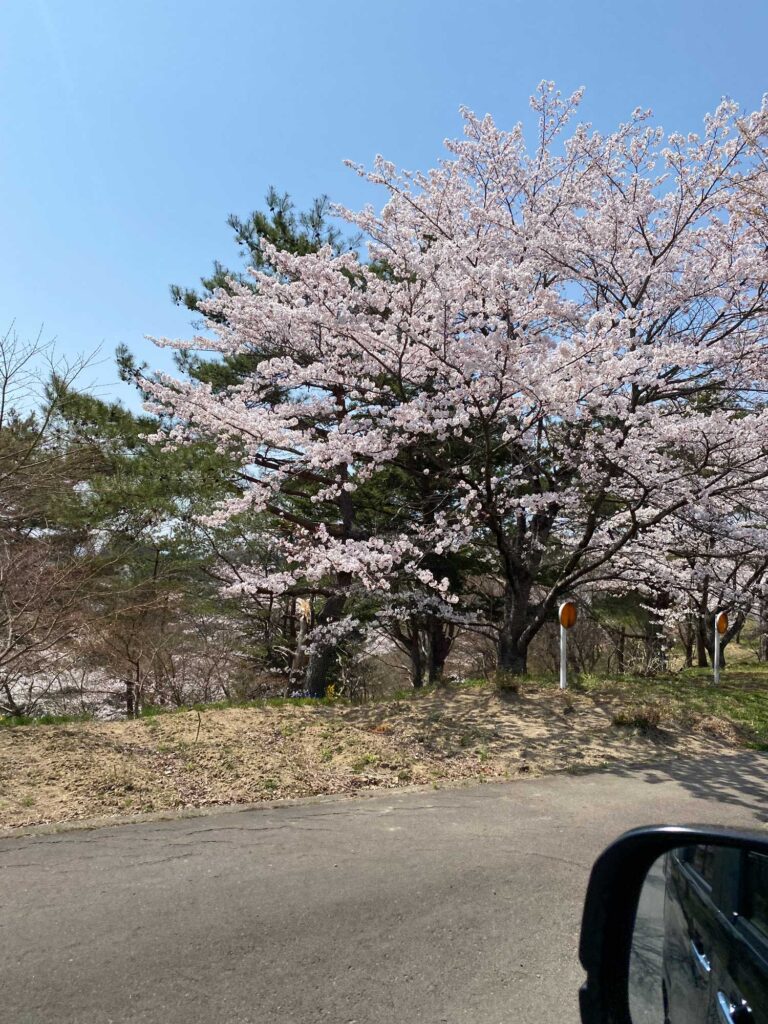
563	658
717	654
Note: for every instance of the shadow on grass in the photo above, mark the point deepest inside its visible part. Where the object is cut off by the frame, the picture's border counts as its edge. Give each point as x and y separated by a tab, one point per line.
552	730
579	730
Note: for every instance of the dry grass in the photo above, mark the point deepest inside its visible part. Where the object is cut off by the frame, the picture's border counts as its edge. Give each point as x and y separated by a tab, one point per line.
242	755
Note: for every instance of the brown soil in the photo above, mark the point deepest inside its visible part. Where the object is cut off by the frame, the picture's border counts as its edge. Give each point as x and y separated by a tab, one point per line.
243	755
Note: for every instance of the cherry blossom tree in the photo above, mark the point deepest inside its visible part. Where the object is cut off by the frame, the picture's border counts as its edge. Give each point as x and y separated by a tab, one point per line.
567	341
706	559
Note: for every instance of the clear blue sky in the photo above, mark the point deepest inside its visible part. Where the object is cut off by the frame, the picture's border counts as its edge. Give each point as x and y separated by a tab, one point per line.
131	128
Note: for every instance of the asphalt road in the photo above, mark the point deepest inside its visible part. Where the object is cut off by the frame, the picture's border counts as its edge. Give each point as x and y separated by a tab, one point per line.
646	962
441	906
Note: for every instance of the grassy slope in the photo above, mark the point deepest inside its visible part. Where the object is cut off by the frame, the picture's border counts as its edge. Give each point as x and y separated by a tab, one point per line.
278	749
741	698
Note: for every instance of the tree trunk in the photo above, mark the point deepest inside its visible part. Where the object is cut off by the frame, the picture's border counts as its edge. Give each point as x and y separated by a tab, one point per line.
408	637
701	641
621	648
689	652
655	650
417	661
513	644
323	654
688	641
439	641
320	663
701	626
762	650
513	657
299	657
269	629
130	698
13	708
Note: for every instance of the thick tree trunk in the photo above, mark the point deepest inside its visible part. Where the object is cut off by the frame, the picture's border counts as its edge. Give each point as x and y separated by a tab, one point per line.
440	641
513	641
323	655
130	698
408	636
415	654
513	657
320	663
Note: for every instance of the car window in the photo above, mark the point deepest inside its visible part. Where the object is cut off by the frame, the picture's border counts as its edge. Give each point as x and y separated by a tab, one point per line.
755	891
700	859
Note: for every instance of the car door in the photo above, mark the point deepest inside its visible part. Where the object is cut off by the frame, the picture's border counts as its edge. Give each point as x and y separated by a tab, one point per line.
739	942
689	920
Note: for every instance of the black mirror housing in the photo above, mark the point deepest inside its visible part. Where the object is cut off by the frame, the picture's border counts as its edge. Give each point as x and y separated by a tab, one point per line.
611	904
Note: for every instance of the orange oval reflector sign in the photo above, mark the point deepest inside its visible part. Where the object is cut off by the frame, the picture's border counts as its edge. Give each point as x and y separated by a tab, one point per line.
567	614
721	622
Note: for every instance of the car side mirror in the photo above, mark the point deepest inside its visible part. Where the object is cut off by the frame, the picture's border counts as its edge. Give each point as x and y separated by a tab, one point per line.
675	929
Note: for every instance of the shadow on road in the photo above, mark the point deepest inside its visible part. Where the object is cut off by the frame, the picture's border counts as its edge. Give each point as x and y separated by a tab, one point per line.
736	779
556	732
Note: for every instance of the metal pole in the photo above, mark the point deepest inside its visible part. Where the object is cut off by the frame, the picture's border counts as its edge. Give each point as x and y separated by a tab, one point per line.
717	654
563	658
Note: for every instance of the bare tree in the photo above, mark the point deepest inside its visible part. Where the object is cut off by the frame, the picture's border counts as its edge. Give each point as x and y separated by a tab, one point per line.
43	570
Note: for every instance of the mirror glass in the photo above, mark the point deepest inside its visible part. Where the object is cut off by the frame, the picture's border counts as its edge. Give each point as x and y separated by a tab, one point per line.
700	944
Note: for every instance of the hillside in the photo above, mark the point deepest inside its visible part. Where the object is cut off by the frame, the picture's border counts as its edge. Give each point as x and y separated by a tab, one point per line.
188	759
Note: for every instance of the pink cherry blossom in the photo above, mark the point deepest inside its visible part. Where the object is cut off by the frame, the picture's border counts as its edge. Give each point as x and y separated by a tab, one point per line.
572	337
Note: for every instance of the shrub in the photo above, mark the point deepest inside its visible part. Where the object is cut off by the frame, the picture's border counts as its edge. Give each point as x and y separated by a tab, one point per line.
646	718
